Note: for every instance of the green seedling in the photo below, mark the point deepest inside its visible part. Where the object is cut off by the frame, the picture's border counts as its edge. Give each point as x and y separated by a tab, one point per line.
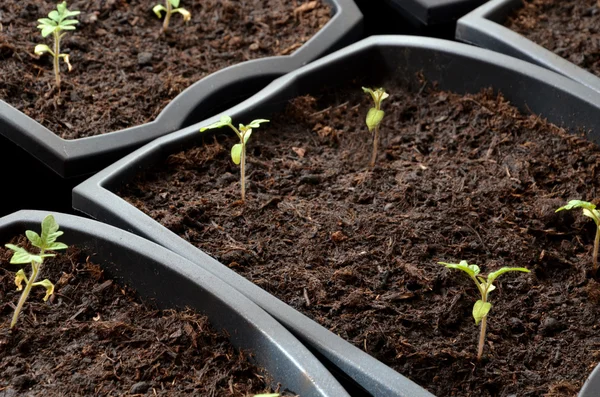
57	22
171	7
238	151
44	242
590	211
482	306
374	117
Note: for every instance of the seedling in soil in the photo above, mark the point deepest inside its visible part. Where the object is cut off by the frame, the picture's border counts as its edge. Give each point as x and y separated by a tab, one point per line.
171	7
374	117
238	151
590	211
482	306
44	242
57	21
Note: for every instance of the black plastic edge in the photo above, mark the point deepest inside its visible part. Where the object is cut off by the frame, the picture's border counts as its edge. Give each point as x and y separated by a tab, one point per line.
434	12
172	281
73	158
454	66
483	28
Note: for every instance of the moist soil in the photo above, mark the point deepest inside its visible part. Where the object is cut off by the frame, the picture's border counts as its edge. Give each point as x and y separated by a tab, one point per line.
95	337
125	71
569	28
356	249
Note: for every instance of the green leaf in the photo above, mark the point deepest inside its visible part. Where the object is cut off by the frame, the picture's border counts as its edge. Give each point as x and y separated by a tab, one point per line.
35	238
247	134
67	22
22	256
236	153
57	246
69	27
47	30
174	3
50	230
62	7
480	310
374	117
157	9
577	204
471	270
47	22
494	275
257	123
225	120
71	13
54	15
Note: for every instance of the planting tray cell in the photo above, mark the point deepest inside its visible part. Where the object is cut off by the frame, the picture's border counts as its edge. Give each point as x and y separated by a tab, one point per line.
60	164
169	281
420	63
484	28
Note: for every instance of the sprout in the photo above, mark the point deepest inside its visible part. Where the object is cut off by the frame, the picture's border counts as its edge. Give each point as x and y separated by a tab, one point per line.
45	242
171	7
590	211
482	306
238	151
56	22
374	117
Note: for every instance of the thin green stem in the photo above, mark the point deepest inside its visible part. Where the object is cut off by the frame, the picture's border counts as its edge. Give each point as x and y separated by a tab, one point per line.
596	244
56	58
26	291
167	15
375	144
243	171
481	338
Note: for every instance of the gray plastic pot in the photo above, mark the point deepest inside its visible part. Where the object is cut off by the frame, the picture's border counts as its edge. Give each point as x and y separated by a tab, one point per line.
454	66
60	164
483	27
171	281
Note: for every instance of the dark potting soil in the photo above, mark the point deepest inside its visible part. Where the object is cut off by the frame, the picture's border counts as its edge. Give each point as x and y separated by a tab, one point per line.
95	337
124	70
569	28
457	178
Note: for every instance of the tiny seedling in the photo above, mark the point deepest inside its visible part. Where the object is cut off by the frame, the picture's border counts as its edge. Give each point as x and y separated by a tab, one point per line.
590	211
57	21
374	117
44	242
238	151
171	7
482	306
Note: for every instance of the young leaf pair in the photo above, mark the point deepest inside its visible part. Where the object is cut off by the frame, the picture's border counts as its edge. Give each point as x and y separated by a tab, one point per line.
482	307
590	211
238	151
46	241
171	7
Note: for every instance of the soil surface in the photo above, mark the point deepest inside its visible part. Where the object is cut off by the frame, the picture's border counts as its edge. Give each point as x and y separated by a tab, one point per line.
94	337
569	28
125	71
457	178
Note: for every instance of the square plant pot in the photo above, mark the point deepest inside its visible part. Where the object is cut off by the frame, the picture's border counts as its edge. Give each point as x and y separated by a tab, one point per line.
170	281
484	28
451	66
62	164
